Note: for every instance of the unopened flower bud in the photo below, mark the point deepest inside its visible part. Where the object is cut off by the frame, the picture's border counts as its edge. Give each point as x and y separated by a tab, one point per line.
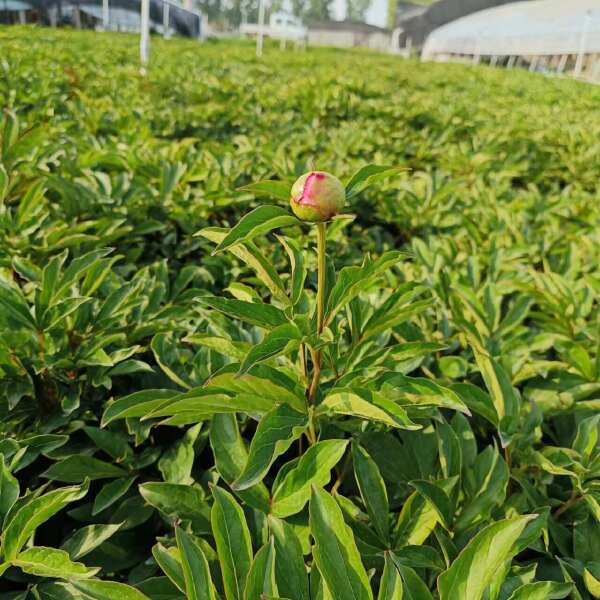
317	196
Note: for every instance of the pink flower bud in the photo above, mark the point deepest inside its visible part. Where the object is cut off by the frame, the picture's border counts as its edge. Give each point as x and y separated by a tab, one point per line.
317	196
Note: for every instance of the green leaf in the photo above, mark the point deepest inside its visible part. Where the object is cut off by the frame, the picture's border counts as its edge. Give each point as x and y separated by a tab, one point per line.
352	280
84	540
231	456
261	580
233	543
290	570
472	571
586	439
274	435
77	468
477	400
279	341
390	586
368	175
9	489
24	521
266	316
198	583
399	307
416	521
165	354
251	255
592	583
269	187
169	561
292	491
497	381
201	403
178	501
346	402
50	562
110	493
94	589
487	481
437	498
259	221
15	306
422	392
372	490
335	551
542	590
414	587
263	385
177	461
137	404
299	271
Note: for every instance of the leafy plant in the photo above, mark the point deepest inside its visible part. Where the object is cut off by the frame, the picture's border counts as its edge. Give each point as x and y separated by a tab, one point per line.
400	402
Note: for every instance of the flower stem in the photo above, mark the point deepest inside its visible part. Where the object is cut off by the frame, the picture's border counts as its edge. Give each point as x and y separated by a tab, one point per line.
316	354
321	254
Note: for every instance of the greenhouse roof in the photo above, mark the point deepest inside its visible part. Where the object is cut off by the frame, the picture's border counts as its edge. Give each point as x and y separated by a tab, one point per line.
537	27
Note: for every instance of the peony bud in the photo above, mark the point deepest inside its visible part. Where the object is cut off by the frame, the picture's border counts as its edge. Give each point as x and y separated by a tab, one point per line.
317	196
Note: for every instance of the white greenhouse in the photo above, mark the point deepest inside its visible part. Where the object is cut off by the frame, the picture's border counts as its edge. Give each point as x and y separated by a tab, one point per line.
545	35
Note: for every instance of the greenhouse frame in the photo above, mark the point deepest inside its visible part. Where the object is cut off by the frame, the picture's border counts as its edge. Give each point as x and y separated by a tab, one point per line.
543	35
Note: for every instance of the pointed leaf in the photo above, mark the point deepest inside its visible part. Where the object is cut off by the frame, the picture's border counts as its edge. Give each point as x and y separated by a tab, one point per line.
472	571
51	562
372	490
335	551
274	435
233	543
290	570
198	584
259	221
293	490
261	581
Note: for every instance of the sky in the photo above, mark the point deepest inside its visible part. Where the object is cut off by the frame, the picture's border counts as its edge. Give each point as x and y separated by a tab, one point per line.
376	15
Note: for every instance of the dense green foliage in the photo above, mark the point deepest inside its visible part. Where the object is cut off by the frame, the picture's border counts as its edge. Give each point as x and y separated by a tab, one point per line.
172	423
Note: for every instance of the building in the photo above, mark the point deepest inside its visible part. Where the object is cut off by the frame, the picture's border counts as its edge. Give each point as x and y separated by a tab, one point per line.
348	34
282	26
542	35
417	23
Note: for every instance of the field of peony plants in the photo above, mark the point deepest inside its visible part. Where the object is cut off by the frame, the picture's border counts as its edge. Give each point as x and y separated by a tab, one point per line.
204	394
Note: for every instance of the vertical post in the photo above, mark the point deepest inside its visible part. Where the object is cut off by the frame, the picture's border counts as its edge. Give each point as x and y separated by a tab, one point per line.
511	62
408	46
533	64
144	34
493	60
22	17
582	44
477	55
261	25
166	7
77	16
200	33
105	15
562	64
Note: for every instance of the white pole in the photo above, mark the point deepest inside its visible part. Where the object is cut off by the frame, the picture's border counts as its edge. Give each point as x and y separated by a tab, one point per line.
166	7
261	25
582	44
144	34
395	40
105	15
534	63
563	63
